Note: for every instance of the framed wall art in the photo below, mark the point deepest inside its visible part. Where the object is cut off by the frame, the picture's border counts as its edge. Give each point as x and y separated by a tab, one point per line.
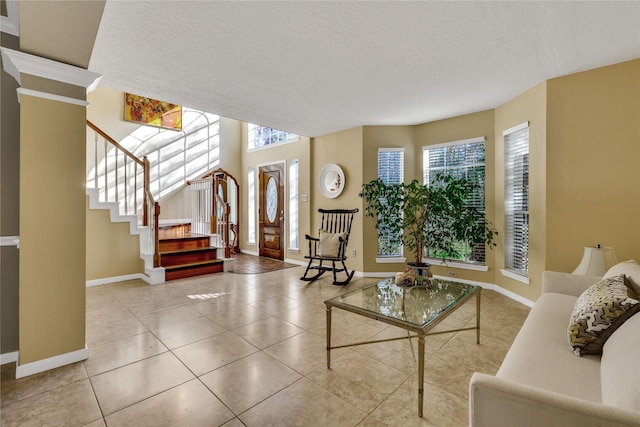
152	112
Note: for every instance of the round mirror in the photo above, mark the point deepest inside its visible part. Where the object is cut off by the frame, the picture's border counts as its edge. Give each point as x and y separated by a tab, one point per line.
331	181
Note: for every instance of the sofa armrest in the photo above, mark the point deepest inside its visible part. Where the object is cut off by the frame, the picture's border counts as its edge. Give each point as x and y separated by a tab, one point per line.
566	283
495	402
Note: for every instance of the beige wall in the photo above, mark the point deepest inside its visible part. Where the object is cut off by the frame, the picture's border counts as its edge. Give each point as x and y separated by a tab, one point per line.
593	164
529	106
111	250
52	229
458	128
375	137
64	31
344	149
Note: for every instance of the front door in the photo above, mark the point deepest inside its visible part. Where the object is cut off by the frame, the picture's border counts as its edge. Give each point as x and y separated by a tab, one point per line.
271	212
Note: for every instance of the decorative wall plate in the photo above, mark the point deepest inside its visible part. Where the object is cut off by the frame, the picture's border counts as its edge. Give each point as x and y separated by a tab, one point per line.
332	181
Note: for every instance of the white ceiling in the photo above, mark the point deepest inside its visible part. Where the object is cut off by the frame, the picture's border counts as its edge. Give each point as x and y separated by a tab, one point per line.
314	68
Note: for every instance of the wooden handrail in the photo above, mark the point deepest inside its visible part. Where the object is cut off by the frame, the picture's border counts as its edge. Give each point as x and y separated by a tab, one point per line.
115	143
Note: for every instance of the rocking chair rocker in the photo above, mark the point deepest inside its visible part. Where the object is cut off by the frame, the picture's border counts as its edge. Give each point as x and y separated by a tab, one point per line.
331	245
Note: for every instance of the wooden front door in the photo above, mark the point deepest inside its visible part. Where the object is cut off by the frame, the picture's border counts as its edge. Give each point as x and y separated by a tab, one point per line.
271	212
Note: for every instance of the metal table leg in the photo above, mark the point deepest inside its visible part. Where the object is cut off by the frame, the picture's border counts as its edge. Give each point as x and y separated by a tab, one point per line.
478	317
420	373
328	336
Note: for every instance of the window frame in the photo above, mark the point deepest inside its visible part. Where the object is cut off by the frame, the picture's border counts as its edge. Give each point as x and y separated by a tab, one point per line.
283	137
399	256
516	150
426	171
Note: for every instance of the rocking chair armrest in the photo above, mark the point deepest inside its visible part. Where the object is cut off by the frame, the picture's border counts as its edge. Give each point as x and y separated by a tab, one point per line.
315	239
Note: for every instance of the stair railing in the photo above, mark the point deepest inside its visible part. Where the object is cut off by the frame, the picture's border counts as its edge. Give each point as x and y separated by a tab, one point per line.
123	178
209	211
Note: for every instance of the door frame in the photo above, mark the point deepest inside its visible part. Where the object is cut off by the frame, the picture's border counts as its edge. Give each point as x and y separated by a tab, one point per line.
285	205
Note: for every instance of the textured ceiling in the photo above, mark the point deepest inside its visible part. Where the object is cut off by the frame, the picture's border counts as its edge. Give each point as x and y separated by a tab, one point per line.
313	68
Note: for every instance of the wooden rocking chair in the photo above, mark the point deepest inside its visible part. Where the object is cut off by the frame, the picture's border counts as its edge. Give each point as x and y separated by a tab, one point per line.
330	245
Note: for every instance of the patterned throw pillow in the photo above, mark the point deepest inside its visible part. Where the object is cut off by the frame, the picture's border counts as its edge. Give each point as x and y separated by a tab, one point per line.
598	312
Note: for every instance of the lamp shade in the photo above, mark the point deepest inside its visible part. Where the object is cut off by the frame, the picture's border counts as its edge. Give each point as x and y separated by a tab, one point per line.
596	260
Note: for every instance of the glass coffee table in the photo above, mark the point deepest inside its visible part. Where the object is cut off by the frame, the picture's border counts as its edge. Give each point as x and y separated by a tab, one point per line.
418	310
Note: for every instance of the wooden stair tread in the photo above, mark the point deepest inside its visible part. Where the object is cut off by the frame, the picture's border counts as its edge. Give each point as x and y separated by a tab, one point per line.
194	264
185	251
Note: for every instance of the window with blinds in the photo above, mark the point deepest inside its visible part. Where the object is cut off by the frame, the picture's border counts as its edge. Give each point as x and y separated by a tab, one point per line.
516	150
251	206
293	204
390	171
461	159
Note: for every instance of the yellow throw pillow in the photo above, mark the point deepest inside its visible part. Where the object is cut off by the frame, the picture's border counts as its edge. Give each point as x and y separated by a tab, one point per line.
329	244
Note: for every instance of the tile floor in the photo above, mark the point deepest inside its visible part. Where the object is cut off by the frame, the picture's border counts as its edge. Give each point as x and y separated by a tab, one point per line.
249	349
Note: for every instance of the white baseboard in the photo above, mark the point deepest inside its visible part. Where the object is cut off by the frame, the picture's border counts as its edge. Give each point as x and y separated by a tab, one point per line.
51	363
296	262
492	287
107	280
8	357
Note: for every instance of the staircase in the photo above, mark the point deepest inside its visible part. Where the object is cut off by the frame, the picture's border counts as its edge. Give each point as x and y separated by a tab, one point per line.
185	254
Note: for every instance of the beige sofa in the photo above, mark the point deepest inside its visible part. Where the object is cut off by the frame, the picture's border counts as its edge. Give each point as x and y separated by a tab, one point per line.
541	382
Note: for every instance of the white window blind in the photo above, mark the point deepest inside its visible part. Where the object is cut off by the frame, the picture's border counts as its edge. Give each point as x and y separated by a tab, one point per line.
251	205
293	204
390	171
460	159
516	146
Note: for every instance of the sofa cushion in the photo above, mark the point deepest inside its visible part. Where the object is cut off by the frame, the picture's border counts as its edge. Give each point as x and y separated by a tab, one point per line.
329	243
620	366
540	356
631	270
598	312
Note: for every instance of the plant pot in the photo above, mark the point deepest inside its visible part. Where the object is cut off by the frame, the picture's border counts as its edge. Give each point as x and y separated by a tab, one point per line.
421	272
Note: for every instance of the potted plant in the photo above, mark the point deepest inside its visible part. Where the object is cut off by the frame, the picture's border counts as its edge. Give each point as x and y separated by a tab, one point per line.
436	215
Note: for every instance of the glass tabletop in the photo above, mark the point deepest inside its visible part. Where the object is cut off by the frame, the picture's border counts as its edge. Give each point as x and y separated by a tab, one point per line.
418	305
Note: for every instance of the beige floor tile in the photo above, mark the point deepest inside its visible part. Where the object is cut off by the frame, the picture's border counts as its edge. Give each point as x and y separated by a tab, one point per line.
303	404
304	352
130	384
184	333
136	385
70	405
234	318
349	329
211	353
276	305
359	380
168	317
402	354
221	303
110	329
152	304
96	423
13	389
234	423
122	352
189	404
266	332
441	409
248	381
307	316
